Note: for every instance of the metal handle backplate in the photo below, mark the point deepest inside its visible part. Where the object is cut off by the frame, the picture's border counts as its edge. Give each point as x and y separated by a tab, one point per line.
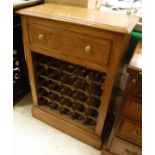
41	37
88	49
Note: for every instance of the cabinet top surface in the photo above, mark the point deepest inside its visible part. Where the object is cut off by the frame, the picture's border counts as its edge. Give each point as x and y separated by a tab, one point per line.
103	20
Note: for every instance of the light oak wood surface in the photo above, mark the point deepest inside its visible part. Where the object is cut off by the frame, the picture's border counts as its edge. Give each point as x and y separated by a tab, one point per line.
102	20
81	37
69	43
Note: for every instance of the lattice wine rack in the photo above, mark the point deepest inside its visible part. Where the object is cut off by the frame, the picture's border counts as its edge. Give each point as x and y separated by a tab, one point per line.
70	90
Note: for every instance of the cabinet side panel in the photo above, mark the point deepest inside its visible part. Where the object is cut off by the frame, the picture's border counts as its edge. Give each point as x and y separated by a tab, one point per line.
29	60
109	83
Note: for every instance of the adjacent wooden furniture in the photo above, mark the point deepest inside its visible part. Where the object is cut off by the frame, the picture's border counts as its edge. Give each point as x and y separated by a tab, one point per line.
80	3
73	55
126	136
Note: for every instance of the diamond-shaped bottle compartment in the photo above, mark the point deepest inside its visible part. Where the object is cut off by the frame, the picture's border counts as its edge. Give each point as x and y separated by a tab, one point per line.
69	89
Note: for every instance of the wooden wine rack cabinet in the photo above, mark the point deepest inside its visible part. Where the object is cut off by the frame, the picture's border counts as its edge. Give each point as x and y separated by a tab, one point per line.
73	55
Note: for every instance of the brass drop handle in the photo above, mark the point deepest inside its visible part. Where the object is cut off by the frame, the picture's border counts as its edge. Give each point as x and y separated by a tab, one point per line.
130	152
88	49
41	37
134	81
137	134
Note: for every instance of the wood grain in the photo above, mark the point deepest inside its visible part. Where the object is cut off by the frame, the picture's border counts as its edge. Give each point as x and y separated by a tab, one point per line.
121	147
108	86
133	108
108	21
29	61
71	44
130	131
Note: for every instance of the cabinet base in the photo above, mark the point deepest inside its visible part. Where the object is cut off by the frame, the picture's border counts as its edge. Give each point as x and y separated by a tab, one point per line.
74	131
107	153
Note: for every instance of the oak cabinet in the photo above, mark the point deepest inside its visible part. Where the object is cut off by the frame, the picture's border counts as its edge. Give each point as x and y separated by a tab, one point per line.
73	55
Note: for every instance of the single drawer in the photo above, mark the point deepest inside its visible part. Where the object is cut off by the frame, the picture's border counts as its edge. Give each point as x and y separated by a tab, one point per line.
133	108
134	86
121	147
129	131
71	44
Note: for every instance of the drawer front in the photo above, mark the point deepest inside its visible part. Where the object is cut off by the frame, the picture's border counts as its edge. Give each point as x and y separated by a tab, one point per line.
134	86
76	45
121	147
129	131
133	108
